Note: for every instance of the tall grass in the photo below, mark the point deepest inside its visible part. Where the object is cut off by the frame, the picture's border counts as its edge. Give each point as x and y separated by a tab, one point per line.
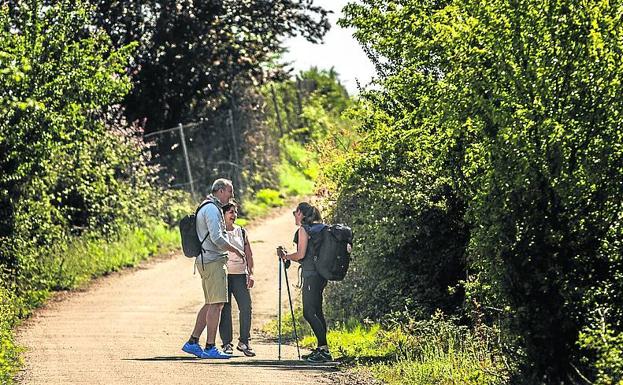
86	259
435	351
438	351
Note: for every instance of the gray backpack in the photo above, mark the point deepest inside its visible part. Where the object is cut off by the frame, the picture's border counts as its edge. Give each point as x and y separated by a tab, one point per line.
191	244
331	251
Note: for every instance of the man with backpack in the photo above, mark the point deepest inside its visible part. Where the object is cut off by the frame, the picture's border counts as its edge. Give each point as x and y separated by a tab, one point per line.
212	265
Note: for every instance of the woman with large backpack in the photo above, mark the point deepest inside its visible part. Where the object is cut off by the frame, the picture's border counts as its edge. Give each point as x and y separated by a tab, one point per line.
308	218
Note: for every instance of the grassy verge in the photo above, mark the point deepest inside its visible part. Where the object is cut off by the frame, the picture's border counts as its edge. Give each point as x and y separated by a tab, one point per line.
81	261
434	351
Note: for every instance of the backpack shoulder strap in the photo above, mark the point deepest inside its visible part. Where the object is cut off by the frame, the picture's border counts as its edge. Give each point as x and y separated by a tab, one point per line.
244	236
202	205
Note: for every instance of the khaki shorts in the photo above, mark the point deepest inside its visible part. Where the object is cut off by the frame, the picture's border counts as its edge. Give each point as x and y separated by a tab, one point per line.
214	280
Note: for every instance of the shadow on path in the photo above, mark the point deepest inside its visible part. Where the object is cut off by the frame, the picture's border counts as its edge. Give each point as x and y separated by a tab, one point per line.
283	364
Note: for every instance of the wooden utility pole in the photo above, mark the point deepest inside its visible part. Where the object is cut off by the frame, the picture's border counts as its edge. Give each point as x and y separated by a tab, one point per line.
180	128
272	90
190	176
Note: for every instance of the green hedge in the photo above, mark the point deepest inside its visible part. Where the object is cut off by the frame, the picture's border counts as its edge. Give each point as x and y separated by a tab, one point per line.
493	143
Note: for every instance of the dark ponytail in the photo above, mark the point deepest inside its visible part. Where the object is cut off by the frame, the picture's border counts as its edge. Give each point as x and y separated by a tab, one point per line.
310	213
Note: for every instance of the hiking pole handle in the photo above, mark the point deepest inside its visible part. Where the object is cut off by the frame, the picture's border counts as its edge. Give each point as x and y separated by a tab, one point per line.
281	252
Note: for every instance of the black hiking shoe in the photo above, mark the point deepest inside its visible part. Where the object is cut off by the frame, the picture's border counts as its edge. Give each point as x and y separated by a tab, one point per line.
320	355
306	356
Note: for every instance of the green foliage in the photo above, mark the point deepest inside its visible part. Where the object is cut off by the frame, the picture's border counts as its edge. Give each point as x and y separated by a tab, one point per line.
298	168
406	218
501	121
606	344
433	351
53	108
293	181
9	353
269	197
10	360
76	194
263	201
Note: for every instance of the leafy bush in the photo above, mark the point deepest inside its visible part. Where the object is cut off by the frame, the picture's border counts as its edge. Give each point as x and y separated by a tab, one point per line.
269	197
9	353
502	119
76	194
406	219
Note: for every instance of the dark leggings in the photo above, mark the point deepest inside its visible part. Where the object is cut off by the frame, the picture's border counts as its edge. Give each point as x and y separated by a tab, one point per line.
313	287
236	285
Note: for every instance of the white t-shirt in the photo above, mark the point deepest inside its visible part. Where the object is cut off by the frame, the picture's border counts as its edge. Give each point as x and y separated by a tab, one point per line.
235	264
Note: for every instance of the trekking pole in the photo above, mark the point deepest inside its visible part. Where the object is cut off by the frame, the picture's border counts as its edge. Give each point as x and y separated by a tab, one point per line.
279	316
296	337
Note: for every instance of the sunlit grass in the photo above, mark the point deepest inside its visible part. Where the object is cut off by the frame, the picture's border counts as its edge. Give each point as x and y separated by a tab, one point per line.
86	259
420	353
297	172
298	169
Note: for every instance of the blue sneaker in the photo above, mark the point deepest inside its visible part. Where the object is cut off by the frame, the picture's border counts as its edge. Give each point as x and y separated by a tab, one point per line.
214	352
194	349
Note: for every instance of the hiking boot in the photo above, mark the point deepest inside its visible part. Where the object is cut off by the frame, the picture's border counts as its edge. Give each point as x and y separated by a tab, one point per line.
246	349
214	352
306	356
194	349
320	355
228	349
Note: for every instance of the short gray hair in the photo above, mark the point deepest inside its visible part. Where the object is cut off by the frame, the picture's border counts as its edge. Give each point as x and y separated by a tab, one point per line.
221	183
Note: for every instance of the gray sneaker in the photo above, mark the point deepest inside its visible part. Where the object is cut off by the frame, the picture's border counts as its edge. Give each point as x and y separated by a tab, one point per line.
246	349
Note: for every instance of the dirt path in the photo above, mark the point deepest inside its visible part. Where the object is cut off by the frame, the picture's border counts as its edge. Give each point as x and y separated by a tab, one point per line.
128	328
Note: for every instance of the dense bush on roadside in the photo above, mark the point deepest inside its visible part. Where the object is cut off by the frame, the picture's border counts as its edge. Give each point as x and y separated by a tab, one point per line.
409	235
503	118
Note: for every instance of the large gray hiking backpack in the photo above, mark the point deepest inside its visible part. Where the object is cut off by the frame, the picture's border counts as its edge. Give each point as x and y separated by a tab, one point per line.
331	251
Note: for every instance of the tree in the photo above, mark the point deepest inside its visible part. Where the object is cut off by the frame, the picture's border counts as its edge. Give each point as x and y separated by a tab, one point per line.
66	166
191	53
196	57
